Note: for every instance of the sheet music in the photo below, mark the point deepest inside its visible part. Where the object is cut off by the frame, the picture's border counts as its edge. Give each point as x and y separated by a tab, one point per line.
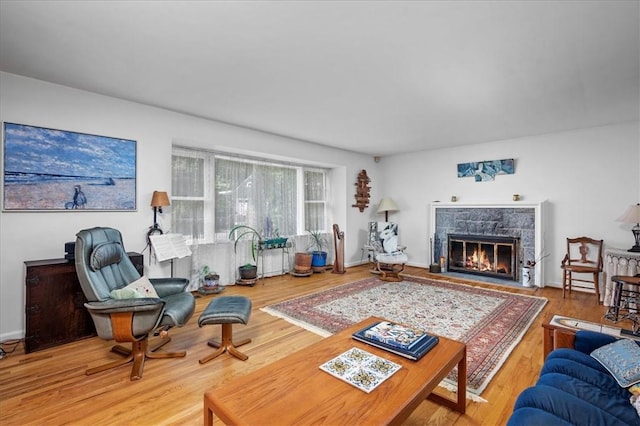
169	246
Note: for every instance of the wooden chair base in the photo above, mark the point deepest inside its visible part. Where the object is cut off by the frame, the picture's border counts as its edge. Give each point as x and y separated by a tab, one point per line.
123	350
389	272
138	353
226	345
568	279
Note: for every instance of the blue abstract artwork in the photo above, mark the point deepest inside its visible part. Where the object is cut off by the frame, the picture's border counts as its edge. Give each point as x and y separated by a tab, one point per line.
483	171
49	169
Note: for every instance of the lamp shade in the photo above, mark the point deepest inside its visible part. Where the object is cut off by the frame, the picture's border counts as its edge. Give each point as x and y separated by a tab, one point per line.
631	215
387	205
160	199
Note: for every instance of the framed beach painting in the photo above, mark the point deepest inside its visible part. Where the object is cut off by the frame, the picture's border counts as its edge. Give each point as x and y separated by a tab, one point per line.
58	170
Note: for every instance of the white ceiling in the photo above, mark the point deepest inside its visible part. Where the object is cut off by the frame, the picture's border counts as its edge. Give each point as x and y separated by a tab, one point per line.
377	77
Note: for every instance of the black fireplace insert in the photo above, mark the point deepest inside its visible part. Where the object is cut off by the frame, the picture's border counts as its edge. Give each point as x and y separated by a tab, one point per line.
488	255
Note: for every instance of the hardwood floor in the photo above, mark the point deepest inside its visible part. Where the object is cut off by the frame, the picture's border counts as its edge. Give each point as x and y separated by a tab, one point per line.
49	387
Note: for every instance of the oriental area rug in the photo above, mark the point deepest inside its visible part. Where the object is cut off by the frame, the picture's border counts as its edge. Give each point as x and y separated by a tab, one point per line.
489	322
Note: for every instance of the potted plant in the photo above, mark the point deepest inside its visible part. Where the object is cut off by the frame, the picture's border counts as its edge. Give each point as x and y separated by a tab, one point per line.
248	271
209	278
318	248
302	263
275	240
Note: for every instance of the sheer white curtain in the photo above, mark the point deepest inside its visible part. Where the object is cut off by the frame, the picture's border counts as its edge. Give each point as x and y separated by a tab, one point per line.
192	191
257	194
213	192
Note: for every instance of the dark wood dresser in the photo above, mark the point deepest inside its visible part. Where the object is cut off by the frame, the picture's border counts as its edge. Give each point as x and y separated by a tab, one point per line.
55	312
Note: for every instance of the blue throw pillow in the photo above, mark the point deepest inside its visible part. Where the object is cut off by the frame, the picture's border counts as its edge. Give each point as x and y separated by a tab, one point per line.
622	360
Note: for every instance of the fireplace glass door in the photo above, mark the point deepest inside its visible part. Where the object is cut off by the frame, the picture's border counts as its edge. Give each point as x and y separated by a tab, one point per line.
493	256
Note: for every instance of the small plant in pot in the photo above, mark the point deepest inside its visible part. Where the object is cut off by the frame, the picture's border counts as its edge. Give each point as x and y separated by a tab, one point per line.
209	278
302	263
318	248
248	271
274	240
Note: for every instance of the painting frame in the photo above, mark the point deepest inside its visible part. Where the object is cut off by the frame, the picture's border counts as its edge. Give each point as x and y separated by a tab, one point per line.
486	171
47	169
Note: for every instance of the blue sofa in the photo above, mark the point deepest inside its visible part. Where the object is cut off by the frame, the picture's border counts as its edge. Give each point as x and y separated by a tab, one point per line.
575	389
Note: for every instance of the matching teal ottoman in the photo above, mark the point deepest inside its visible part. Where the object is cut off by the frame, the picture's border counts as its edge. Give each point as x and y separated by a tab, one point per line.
226	310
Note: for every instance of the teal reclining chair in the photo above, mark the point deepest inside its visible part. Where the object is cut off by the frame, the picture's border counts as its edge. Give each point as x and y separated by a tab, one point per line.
102	266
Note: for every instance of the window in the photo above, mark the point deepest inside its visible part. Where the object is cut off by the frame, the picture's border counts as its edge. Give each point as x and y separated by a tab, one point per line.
213	192
314	200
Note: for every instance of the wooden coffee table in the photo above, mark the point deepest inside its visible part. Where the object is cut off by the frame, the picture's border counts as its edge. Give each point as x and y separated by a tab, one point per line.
294	390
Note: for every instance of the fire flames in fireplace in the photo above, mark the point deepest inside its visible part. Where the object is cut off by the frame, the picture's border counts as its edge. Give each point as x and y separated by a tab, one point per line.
483	255
479	261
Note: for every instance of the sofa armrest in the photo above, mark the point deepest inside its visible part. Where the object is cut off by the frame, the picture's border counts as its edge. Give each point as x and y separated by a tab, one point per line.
582	340
588	341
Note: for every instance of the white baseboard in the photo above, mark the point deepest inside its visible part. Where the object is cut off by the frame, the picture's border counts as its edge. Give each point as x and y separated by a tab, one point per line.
12	335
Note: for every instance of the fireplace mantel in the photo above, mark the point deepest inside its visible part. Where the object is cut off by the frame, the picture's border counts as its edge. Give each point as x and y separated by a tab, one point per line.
538	230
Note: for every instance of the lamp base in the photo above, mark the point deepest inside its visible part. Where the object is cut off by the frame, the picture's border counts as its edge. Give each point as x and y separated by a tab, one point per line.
155	229
636	234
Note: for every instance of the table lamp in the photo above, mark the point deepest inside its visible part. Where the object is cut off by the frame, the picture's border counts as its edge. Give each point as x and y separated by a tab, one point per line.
632	215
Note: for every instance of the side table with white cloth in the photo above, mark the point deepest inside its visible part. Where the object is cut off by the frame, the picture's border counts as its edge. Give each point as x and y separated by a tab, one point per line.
618	262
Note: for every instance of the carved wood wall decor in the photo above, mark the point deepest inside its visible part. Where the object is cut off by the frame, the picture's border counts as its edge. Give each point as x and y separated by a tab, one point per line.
362	191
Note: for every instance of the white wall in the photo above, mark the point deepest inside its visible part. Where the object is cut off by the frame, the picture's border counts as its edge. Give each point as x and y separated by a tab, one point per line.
41	235
588	176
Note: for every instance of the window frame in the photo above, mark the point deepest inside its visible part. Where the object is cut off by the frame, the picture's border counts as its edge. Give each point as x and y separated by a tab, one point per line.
209	211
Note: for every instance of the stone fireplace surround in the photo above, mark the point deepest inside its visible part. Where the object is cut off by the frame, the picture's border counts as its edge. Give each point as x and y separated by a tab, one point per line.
517	219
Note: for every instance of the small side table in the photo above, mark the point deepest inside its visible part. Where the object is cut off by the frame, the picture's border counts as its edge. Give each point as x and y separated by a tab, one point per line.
618	262
626	301
565	327
549	337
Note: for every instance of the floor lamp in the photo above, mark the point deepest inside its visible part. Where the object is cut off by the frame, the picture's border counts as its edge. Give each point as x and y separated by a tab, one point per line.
387	205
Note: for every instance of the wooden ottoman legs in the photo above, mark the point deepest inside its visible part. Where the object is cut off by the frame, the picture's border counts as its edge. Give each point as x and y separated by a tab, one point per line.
226	344
226	311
